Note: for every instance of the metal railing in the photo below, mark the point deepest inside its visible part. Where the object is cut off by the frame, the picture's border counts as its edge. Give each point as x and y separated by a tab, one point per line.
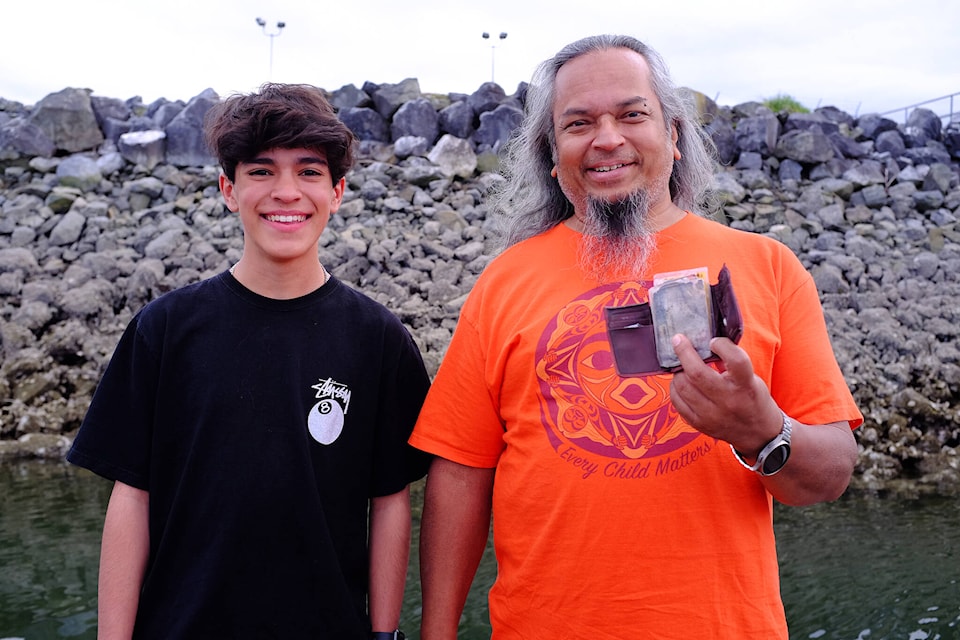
950	116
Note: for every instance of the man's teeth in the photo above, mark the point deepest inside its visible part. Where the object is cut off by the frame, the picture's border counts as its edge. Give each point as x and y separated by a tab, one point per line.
609	168
286	218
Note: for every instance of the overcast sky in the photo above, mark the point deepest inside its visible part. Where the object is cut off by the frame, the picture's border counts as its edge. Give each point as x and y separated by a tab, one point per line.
858	55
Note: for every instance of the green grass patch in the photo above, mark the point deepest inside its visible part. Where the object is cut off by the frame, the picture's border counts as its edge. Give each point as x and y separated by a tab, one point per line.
783	102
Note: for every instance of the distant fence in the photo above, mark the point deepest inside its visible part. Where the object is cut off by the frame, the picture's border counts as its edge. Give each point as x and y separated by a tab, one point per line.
944	106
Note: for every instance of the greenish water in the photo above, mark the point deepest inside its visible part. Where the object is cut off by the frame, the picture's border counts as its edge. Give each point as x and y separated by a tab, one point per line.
855	569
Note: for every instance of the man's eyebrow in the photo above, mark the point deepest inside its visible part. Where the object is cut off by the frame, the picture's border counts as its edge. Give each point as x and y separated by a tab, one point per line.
629	102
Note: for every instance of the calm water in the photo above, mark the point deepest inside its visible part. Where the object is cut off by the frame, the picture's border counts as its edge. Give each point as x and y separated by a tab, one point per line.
855	569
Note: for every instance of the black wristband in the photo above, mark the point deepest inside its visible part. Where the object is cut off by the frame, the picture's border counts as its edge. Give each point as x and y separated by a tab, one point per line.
388	635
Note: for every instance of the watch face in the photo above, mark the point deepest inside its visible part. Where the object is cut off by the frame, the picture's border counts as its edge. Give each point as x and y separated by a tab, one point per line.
776	459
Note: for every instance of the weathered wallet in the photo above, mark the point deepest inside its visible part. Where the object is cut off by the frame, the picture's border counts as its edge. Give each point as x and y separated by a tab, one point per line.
633	335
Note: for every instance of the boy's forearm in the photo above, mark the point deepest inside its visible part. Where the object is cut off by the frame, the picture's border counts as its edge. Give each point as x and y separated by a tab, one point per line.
389	554
123	560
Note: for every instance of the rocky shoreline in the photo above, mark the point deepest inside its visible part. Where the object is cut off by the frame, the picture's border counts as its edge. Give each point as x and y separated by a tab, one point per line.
107	203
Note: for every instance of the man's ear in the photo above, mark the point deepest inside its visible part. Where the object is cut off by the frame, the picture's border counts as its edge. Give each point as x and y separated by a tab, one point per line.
227	189
675	136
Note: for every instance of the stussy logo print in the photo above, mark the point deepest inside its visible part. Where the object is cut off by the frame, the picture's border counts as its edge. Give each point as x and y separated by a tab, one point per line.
325	419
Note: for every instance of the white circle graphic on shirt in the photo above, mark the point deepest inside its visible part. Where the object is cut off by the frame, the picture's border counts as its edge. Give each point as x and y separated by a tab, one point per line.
325	421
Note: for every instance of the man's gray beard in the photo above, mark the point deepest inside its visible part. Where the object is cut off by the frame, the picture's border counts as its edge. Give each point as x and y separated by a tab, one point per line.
617	242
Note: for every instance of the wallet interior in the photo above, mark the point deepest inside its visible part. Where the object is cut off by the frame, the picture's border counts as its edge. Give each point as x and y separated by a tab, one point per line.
631	331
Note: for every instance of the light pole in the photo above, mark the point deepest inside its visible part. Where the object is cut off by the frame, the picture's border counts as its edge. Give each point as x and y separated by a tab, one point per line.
493	51
263	25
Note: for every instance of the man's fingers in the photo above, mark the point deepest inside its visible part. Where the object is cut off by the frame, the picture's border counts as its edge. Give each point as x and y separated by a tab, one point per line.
735	360
687	355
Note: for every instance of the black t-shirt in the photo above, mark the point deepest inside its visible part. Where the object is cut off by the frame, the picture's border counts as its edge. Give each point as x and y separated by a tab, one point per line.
260	429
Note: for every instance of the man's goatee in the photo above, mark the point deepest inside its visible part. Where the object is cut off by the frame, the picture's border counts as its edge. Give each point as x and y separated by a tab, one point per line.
617	242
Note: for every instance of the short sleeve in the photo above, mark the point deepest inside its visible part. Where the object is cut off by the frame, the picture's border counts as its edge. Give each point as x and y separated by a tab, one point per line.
114	438
460	419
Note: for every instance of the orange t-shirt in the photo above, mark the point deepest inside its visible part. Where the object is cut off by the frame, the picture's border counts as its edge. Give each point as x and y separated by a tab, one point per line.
612	517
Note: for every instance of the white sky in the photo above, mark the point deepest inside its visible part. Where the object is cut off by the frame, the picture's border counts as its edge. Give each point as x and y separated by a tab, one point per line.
858	55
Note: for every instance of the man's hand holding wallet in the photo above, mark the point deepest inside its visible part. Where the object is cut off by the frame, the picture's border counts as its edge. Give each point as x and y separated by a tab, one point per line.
641	335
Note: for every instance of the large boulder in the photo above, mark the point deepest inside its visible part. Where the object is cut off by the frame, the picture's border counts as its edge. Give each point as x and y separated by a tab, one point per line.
67	118
185	142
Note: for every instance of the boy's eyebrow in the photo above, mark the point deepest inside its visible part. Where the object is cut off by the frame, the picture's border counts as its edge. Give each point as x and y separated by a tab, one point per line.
268	161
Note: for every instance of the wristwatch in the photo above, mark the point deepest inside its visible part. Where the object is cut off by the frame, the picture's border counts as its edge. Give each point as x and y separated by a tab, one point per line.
774	455
388	635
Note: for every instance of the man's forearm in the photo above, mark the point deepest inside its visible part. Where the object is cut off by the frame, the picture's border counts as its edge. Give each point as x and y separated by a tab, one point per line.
822	459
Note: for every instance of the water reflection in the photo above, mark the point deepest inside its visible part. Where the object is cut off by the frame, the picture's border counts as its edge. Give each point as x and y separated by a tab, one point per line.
50	518
855	569
871	568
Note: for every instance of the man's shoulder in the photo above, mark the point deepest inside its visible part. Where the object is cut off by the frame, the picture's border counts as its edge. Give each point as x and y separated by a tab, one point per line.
715	231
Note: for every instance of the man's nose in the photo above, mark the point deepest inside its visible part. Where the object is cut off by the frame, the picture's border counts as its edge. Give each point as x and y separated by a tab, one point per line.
608	135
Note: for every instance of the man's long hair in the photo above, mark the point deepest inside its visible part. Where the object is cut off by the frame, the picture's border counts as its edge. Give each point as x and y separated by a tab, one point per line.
530	201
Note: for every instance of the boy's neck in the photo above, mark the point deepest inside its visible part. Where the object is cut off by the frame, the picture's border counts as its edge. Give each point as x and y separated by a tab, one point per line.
280	281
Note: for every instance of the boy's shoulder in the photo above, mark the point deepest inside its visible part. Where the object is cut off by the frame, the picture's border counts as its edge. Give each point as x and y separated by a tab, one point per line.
186	294
363	302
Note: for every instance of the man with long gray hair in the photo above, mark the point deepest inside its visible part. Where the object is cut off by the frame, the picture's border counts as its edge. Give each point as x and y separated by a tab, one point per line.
631	500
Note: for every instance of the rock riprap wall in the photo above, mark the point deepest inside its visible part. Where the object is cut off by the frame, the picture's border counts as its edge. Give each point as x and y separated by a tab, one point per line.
108	203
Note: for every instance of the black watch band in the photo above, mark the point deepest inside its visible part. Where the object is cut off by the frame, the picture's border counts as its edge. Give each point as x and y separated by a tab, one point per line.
388	635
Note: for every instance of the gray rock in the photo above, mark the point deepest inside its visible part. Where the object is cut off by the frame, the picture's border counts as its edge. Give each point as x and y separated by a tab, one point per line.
185	143
416	118
891	142
348	97
454	156
497	126
805	146
724	139
67	118
18	260
22	137
79	171
457	119
407	146
366	124
68	229
872	125
940	177
110	163
486	98
924	125
758	133
146	148
809	122
390	97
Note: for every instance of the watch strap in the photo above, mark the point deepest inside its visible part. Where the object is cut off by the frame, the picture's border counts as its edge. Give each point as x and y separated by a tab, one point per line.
388	635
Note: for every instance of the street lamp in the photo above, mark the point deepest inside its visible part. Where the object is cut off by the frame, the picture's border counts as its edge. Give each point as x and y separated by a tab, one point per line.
263	25
493	50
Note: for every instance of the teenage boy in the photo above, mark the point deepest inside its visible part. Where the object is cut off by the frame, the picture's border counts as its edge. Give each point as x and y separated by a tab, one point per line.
253	421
